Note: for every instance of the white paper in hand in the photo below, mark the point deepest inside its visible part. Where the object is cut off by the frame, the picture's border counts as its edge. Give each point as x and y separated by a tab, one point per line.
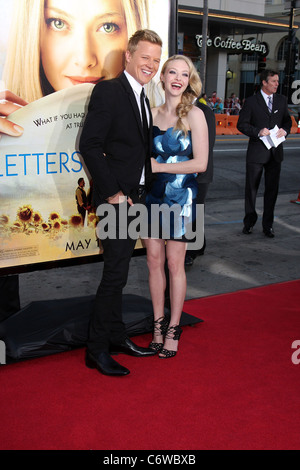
271	140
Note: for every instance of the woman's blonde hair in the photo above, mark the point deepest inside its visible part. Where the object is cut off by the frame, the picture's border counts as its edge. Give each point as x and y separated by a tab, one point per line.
190	94
22	68
23	72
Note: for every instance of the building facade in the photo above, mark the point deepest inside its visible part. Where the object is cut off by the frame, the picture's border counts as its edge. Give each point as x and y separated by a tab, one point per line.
242	37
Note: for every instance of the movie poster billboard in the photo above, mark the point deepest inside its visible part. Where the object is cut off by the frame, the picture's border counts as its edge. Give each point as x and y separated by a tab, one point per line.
52	53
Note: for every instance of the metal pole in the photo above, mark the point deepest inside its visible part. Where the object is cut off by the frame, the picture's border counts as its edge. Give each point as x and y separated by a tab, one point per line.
204	47
289	66
173	45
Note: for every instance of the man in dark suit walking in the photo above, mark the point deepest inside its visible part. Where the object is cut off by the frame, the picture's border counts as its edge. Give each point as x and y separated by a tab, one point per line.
116	146
261	113
204	179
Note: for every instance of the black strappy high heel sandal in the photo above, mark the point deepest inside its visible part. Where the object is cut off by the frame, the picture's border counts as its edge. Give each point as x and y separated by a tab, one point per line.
173	332
160	328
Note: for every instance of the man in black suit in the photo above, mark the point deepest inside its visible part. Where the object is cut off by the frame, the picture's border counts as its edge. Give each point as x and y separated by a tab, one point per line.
81	199
204	179
261	113
116	149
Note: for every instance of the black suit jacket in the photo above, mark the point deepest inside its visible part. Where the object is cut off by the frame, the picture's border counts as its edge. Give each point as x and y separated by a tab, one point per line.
112	142
207	176
255	116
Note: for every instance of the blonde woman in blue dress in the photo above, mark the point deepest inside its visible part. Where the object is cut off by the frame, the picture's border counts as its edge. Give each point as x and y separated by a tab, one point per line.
180	149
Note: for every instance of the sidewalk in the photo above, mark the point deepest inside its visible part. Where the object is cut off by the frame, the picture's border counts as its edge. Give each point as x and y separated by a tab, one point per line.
232	260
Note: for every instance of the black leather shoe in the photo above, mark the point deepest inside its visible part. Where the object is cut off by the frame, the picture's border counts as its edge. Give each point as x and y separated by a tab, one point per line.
191	255
269	232
247	230
188	261
128	347
105	364
200	252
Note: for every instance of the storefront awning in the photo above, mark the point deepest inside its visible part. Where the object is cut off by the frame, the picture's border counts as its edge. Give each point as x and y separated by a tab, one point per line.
236	23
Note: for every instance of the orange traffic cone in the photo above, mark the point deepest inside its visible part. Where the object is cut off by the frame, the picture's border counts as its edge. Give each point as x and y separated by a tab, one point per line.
297	201
298	130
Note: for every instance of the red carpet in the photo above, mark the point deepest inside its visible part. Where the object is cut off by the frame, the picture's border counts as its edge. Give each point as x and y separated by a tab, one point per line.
232	385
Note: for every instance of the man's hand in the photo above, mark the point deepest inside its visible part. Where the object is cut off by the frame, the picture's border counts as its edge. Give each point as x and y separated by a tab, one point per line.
263	132
281	133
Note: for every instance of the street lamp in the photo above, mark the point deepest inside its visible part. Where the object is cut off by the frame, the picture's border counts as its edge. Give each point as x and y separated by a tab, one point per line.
229	75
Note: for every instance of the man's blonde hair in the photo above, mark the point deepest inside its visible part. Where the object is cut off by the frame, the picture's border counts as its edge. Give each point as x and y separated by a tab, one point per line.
143	35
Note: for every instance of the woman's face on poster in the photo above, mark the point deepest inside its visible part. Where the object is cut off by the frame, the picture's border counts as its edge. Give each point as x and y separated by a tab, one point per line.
83	41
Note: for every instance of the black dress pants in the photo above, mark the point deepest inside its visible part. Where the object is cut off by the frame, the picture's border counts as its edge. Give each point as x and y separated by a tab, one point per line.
9	294
201	196
254	173
106	324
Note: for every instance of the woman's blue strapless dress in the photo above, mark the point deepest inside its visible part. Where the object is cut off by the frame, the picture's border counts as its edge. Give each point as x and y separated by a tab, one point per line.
173	190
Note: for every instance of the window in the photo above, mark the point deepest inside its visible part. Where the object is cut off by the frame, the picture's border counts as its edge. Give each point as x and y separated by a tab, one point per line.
283	49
